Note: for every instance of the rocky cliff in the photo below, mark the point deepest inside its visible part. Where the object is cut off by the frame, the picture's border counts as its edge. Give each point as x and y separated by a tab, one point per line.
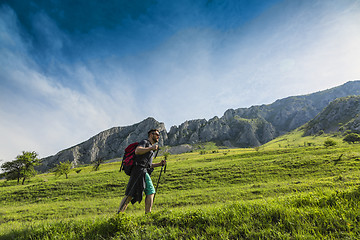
108	144
249	127
242	127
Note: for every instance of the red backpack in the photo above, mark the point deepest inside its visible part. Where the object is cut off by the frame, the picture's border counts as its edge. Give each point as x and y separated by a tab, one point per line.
129	158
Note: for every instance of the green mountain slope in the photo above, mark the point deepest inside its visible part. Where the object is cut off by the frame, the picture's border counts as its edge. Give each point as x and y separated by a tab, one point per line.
340	115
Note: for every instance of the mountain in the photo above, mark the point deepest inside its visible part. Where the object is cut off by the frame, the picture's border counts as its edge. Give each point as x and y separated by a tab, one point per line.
342	114
108	144
242	127
249	127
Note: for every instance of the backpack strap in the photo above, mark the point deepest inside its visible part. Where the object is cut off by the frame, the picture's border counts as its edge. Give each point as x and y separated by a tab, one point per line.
157	151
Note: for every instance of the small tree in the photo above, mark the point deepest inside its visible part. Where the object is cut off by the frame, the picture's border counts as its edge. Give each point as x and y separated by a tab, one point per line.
28	161
329	142
166	155
352	138
97	163
63	168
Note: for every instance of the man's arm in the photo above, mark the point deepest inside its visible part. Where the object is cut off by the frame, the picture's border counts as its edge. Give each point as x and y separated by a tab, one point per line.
142	150
162	163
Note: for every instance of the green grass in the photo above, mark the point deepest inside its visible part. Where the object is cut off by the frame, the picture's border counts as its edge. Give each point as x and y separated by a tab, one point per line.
294	191
296	139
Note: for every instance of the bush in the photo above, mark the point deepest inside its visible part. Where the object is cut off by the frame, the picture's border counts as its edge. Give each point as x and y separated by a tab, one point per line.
63	168
352	138
329	142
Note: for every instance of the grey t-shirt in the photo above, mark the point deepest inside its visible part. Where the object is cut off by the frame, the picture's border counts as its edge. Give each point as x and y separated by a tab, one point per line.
145	160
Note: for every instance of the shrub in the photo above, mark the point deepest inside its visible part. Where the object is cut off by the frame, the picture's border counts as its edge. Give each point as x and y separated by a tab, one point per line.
329	142
352	138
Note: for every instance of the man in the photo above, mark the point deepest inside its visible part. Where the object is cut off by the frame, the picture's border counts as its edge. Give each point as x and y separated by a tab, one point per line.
140	180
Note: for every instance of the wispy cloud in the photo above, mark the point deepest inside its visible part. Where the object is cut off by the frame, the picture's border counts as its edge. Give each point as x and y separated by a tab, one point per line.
39	112
296	47
61	84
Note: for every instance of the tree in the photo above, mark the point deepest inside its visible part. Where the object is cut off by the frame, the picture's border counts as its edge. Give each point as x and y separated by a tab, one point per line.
352	138
28	161
12	170
97	163
63	168
22	167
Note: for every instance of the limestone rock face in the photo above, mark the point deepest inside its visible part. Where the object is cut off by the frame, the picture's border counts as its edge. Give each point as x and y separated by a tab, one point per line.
249	127
108	144
187	133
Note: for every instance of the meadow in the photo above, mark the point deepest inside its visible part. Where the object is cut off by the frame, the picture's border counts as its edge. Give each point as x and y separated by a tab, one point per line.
290	188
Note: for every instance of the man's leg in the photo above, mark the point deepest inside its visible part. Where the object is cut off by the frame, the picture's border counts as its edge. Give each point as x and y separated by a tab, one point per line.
149	199
124	203
149	192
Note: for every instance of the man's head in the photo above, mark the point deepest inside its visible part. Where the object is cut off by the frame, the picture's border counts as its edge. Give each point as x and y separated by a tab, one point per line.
154	135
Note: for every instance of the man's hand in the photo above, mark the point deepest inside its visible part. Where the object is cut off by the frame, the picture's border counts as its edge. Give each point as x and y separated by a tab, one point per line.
142	150
162	163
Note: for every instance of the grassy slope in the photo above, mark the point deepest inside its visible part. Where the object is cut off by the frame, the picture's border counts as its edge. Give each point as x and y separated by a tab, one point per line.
280	191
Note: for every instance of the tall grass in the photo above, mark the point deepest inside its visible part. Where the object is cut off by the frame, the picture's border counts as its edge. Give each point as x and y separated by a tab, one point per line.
316	215
307	192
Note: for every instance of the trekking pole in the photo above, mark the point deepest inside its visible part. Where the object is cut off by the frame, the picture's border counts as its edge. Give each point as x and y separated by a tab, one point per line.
158	181
130	192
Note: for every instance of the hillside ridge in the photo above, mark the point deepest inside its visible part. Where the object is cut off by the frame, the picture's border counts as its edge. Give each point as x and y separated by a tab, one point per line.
341	115
242	127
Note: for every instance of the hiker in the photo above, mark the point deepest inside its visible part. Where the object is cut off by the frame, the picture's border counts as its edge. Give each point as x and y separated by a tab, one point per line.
140	180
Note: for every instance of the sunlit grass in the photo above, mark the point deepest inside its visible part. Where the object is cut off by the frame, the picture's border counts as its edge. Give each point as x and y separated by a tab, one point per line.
296	139
290	192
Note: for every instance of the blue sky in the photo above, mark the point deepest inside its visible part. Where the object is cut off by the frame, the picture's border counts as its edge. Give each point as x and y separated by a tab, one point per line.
70	69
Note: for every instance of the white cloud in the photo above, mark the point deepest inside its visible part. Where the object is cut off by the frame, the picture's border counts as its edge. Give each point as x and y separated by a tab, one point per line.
50	116
294	48
297	47
38	113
